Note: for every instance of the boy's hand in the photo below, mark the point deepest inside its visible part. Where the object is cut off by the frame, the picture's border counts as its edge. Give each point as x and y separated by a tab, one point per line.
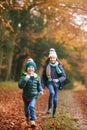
27	77
41	93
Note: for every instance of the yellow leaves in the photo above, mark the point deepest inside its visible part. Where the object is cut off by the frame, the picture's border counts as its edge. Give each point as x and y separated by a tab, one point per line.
66	64
78	86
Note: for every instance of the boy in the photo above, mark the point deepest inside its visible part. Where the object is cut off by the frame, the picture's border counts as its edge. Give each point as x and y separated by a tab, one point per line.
31	84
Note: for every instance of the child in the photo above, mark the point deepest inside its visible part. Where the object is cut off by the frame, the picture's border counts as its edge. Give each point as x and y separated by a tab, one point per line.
53	77
31	84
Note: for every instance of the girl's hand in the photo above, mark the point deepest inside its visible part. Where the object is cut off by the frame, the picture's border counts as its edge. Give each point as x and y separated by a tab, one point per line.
56	80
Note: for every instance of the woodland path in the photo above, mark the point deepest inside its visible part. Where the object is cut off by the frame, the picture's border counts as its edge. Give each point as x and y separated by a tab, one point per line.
12	115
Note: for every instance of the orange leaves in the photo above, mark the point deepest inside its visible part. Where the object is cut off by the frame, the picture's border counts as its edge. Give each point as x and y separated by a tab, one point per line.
3	66
7	25
66	64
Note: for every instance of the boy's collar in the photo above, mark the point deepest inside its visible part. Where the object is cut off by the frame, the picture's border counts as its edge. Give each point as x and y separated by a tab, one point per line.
34	74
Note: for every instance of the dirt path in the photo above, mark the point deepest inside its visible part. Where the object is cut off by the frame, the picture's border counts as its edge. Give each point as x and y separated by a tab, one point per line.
12	115
76	103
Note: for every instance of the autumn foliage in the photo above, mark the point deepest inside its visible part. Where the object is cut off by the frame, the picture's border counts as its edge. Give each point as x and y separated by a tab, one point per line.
26	25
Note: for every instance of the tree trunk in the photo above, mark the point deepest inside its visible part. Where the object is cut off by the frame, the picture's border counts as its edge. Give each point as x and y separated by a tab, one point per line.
10	59
1	59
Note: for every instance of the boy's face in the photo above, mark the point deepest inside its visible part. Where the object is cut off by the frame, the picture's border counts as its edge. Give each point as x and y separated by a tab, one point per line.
52	59
30	70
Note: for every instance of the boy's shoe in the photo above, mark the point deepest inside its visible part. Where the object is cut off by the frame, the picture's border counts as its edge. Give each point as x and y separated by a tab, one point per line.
32	123
49	111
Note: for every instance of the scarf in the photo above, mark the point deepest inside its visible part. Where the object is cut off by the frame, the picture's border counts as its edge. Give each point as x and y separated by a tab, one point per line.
48	70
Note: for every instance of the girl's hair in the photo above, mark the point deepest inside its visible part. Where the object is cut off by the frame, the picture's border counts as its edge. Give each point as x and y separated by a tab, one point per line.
47	60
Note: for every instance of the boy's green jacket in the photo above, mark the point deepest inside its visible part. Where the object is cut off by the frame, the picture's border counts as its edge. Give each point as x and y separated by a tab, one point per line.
30	88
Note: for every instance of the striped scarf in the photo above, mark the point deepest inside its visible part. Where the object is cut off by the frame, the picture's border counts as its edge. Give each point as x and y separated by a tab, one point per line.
48	70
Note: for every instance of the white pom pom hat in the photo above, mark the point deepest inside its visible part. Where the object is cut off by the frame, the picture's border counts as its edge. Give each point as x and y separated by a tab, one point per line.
52	53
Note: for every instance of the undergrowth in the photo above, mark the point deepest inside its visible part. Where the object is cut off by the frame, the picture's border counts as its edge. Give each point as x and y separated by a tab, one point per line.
63	121
8	84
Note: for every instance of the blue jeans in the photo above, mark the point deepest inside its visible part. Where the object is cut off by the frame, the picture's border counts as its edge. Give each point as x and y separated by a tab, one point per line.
53	97
29	108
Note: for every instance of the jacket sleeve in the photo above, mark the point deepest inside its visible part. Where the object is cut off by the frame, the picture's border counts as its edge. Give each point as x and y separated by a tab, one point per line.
62	78
39	87
44	77
22	82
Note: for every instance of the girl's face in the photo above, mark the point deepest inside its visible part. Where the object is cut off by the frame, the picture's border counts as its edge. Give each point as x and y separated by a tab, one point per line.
52	59
30	70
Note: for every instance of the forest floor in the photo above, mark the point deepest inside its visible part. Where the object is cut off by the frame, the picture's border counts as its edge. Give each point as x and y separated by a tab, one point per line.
71	112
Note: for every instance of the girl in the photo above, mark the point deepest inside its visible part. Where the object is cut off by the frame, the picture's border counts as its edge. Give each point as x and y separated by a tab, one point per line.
53	77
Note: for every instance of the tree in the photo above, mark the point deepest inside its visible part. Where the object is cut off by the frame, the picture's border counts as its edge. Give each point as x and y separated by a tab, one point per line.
25	23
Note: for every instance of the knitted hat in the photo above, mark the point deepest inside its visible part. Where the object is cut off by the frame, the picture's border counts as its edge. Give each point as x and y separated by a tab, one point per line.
31	63
52	53
30	59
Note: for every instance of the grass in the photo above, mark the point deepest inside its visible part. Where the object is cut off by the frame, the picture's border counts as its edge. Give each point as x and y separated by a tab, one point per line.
64	119
8	84
62	122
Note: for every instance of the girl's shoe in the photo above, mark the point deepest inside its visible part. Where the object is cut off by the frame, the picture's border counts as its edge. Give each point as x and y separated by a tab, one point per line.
54	115
49	111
